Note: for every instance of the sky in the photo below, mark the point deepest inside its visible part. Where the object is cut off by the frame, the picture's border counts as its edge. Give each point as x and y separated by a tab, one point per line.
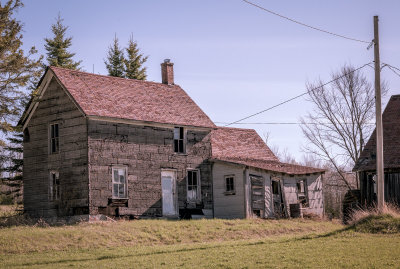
232	58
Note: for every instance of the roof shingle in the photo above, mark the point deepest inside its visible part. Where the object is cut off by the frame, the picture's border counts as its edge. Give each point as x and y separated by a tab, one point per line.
245	146
131	99
391	140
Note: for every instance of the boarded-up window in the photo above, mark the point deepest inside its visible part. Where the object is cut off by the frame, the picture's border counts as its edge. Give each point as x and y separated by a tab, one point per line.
54	186
179	145
230	183
193	186
302	192
54	138
119	188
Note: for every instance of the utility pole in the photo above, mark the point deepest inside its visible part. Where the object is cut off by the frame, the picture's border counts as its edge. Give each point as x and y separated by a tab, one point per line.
379	129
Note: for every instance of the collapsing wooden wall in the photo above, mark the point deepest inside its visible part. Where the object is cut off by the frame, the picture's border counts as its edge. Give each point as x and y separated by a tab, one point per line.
368	187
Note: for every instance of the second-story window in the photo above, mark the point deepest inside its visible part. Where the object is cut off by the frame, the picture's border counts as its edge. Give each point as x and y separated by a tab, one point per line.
54	138
179	138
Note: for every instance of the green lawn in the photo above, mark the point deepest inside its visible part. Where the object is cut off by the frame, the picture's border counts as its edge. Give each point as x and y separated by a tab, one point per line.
198	244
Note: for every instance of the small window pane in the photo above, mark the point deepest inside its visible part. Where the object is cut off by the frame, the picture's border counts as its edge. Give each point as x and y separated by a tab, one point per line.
180	145
176	133
121	190
115	188
115	175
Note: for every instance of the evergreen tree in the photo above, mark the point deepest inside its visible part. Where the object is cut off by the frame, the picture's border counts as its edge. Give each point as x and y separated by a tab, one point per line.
11	169
17	70
57	47
134	62
115	60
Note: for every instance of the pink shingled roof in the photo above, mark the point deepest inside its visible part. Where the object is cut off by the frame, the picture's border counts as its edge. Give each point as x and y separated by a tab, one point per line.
245	146
131	99
239	143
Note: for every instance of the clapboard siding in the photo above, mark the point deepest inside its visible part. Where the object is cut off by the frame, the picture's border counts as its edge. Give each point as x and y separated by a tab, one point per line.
71	162
228	206
314	190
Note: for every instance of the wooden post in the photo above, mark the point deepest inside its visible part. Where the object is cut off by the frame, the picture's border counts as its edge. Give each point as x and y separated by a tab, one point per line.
379	129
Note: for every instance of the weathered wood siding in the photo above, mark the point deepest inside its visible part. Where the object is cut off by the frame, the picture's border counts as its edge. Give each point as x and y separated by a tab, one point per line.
268	203
144	150
71	161
228	206
314	190
392	187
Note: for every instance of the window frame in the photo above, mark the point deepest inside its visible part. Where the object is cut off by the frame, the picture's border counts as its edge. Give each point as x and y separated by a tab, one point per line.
305	201
119	167
54	189
230	191
198	190
55	138
182	138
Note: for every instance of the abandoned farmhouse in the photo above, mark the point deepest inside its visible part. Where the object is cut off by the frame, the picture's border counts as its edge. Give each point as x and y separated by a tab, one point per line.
366	164
97	145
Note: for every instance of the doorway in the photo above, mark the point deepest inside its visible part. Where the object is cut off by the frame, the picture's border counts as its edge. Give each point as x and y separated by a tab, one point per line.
169	194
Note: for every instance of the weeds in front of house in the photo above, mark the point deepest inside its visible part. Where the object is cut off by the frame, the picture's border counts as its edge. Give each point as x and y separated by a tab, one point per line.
371	220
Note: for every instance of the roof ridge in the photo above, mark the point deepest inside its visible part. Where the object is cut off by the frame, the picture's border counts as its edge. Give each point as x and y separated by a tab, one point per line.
111	77
236	128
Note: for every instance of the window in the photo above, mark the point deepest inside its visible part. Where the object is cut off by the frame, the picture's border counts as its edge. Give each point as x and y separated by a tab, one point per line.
193	186
119	183
26	137
54	137
230	184
179	140
54	186
302	192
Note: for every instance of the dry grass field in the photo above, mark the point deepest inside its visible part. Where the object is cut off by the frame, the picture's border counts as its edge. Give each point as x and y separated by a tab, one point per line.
295	243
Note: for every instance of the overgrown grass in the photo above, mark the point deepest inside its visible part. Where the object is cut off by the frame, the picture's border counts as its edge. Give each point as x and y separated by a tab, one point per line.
25	239
253	243
334	250
373	221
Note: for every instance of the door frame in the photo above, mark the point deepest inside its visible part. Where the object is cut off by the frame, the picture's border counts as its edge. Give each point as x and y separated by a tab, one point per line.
173	174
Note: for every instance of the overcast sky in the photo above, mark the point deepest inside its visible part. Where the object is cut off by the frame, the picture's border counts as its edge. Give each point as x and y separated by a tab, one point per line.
232	58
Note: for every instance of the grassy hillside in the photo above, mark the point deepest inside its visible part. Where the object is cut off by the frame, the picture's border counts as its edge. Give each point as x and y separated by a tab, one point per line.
25	239
203	244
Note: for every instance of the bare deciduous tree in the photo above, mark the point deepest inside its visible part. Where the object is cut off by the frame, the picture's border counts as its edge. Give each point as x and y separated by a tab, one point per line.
341	120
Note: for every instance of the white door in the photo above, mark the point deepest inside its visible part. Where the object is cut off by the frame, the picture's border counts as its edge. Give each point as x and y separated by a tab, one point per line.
168	186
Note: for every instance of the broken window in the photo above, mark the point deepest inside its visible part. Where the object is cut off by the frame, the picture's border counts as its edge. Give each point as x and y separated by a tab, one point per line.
179	140
119	183
54	186
302	192
230	183
275	187
193	186
54	138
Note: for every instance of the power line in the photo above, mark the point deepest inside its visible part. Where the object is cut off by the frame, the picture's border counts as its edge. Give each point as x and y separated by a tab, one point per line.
287	123
392	68
298	96
306	25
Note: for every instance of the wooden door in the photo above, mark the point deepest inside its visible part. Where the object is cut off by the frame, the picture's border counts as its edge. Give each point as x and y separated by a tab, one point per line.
168	186
257	196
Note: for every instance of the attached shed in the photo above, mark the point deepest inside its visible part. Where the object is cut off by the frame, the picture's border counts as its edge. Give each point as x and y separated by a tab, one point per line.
366	164
250	181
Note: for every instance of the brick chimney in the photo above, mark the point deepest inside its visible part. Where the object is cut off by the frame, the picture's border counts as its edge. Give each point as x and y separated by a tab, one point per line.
167	72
